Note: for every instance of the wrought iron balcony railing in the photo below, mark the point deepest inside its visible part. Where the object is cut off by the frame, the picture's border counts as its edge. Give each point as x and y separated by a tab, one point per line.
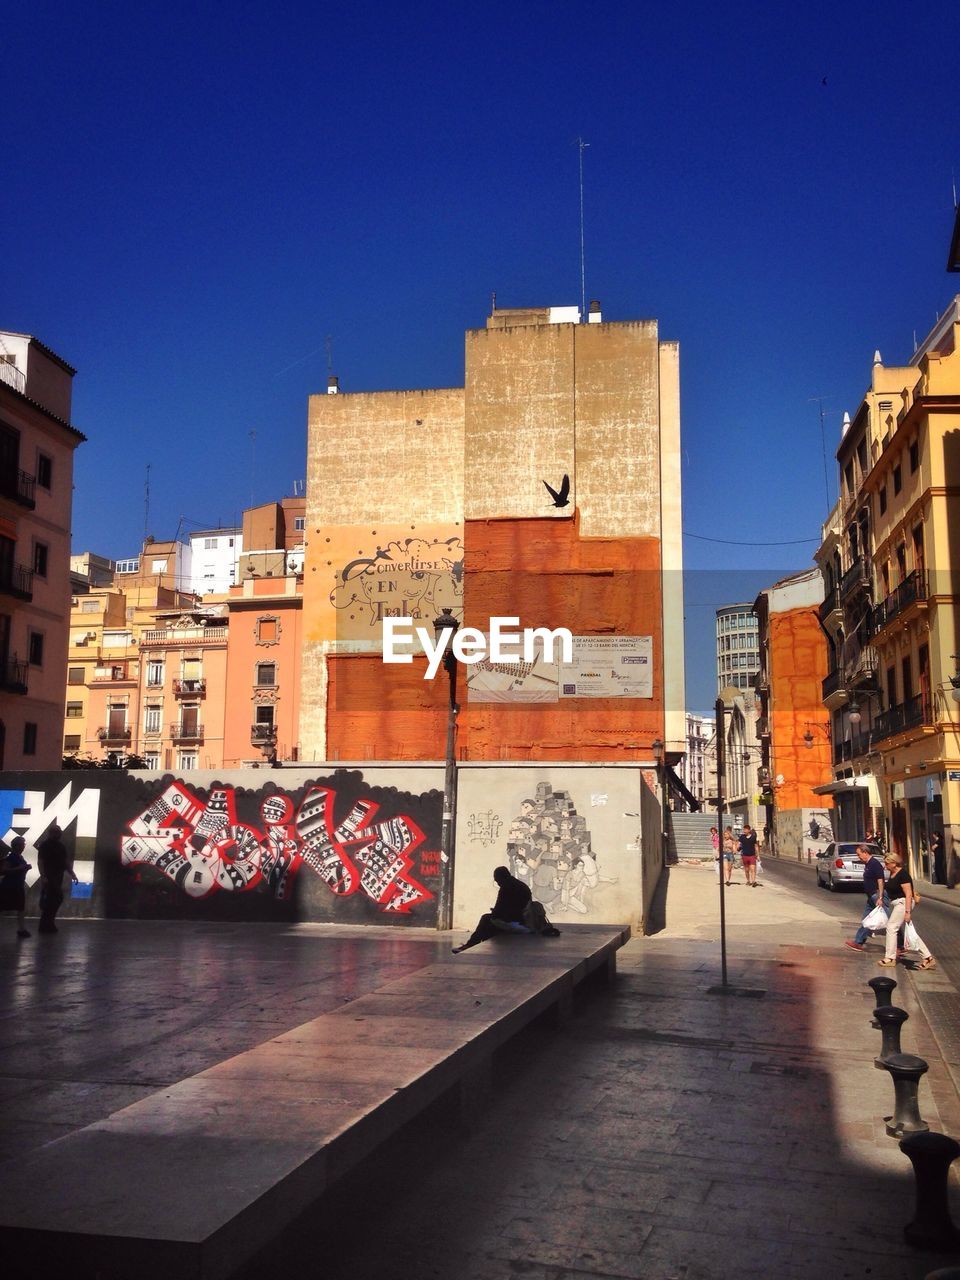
17	580
20	487
13	675
912	589
187	688
261	734
906	715
188	732
120	733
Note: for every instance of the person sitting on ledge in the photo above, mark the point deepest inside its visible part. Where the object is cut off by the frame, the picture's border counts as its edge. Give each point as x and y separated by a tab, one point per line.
506	915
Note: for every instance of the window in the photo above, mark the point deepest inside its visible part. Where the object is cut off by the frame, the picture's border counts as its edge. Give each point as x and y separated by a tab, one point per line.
90	606
152	720
40	554
158	566
44	471
897	479
154	674
914	456
862	456
71	742
187	760
266	675
268	630
75	675
209	544
35	648
74	710
29	739
264	715
151	759
129	566
883	499
848	476
299	523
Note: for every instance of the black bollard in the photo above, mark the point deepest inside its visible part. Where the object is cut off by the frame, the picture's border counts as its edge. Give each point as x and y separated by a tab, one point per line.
890	1019
931	1155
905	1071
883	989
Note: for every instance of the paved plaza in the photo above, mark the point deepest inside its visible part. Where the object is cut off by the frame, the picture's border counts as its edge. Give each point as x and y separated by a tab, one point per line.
664	1132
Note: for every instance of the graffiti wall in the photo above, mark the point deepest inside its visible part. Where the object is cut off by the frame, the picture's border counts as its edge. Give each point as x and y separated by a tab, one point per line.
573	834
349	847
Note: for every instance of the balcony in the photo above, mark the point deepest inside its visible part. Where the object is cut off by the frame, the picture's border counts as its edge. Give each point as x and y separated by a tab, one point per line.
13	675
20	488
834	683
13	377
907	715
189	688
856	578
118	734
193	636
763	727
16	580
829	610
113	675
263	735
186	732
911	591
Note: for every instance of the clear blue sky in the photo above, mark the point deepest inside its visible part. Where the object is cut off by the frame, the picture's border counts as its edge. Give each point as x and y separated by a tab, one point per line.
195	196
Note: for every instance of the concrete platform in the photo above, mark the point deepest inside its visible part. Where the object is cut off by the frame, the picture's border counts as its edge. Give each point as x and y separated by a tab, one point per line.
194	1179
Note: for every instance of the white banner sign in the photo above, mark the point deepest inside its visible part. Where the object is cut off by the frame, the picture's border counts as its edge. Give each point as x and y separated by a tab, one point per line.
609	667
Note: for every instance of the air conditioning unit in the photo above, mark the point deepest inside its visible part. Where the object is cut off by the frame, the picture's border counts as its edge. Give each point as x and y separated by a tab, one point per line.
91	635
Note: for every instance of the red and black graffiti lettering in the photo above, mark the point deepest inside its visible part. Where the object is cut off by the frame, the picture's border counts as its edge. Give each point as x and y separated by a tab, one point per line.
203	847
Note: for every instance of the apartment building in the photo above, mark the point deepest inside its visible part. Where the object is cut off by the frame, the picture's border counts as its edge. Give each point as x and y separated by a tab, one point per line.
738	647
214	560
693	768
546	488
37	443
889	565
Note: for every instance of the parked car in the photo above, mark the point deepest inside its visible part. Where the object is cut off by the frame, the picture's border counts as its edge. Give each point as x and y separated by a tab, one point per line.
839	865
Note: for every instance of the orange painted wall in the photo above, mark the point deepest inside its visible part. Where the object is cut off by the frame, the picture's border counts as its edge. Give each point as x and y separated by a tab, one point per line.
798	664
543	572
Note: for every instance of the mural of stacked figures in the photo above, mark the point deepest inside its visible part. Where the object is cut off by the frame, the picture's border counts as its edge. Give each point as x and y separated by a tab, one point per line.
550	848
340	849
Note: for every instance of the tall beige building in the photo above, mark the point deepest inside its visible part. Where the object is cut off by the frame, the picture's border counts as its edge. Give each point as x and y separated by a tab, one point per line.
420	500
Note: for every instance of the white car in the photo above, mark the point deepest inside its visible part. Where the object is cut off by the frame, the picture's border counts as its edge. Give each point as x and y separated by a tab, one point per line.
839	865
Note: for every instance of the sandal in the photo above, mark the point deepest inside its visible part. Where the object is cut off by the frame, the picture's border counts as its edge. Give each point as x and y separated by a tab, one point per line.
886	963
929	963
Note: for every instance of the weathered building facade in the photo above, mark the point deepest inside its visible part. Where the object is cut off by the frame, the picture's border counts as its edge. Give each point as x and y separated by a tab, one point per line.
430	499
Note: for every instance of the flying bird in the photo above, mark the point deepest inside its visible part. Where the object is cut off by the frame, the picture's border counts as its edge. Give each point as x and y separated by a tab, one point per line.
561	499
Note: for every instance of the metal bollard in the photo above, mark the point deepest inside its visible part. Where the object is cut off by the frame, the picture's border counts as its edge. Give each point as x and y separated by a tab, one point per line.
905	1070
890	1019
883	989
931	1155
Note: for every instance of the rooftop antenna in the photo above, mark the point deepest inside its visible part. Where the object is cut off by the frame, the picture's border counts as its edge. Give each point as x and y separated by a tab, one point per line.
581	147
823	444
253	461
328	341
146	504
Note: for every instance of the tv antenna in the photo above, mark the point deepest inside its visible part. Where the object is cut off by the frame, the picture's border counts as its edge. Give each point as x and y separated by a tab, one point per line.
581	147
818	400
328	343
253	461
146	504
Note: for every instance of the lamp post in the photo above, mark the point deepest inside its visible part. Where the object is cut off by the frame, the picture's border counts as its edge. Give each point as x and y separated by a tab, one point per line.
657	748
445	626
719	711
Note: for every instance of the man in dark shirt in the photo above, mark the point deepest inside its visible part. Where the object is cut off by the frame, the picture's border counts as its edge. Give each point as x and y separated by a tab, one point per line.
506	915
873	887
52	861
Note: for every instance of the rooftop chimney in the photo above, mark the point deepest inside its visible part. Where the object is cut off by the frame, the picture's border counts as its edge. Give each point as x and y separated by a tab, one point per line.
595	316
333	386
846	425
876	358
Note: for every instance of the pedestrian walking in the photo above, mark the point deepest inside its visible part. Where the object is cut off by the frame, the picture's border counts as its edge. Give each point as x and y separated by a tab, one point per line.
938	858
748	854
902	900
53	861
506	914
729	851
873	887
715	842
13	875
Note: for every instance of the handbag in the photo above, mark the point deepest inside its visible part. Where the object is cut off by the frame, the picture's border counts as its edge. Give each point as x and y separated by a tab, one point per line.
875	920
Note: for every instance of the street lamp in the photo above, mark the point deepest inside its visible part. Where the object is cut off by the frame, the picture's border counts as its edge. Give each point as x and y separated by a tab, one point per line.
853	713
445	627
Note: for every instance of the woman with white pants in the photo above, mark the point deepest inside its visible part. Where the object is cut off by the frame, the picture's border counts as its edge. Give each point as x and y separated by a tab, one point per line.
902	897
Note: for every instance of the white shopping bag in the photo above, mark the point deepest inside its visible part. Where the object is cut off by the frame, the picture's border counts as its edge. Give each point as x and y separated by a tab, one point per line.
910	937
876	920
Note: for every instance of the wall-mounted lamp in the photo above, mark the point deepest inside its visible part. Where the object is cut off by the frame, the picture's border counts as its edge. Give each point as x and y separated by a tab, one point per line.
955	679
808	738
853	713
657	748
